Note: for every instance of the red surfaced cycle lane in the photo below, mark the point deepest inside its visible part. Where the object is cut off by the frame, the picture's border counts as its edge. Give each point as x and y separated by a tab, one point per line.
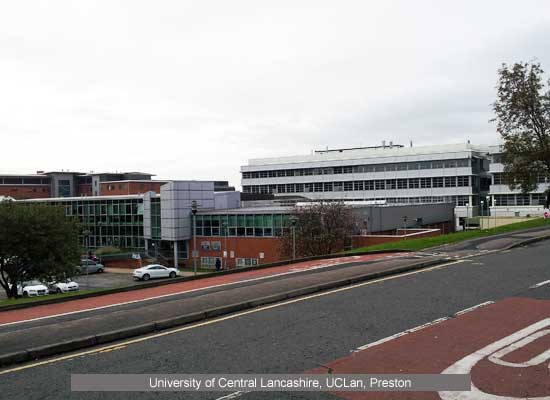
110	300
505	347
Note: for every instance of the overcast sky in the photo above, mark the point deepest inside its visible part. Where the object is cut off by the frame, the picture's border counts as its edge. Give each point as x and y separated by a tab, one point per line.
192	90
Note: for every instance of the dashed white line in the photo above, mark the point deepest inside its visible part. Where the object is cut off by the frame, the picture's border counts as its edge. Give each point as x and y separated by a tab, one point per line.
419	327
467	310
234	395
539	284
395	336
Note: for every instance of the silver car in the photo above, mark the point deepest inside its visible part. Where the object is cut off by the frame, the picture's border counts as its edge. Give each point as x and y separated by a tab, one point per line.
90	267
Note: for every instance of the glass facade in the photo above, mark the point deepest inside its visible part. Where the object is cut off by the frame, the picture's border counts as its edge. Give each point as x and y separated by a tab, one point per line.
155	218
255	225
110	222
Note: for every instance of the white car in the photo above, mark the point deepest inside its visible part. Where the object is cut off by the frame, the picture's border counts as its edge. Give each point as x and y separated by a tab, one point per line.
154	271
31	289
63	286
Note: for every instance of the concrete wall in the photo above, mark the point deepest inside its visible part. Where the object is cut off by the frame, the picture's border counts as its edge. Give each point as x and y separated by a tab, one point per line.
385	218
520	211
227	200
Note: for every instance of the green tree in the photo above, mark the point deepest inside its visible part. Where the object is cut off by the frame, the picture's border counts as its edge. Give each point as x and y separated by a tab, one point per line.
522	110
36	242
321	228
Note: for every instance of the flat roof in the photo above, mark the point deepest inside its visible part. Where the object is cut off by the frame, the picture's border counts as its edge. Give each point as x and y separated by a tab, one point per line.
378	152
85	198
247	210
135	180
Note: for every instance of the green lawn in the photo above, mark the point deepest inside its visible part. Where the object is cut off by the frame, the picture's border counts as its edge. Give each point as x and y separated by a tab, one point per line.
9	302
423	243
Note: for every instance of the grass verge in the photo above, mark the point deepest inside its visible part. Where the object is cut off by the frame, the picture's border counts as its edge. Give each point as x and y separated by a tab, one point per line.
21	300
424	243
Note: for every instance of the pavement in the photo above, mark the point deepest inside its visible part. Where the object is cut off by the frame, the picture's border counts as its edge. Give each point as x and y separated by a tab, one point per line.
480	306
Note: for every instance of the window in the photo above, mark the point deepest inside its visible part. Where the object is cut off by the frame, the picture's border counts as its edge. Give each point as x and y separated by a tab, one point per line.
425	183
327	186
369	185
414	183
208	262
216	246
338	186
437	182
522	200
425	165
450	181
246	262
391	184
380	184
358	185
205	245
348	186
463	181
401	184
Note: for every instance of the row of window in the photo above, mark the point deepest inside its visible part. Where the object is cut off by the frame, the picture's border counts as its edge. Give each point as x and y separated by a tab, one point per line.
111	208
24	181
348	186
535	199
125	242
210	262
355	169
500	178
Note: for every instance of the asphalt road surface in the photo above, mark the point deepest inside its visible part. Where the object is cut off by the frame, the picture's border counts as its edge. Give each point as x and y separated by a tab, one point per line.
321	331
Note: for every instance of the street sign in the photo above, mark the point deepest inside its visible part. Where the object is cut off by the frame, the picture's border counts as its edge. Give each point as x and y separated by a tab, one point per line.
195	253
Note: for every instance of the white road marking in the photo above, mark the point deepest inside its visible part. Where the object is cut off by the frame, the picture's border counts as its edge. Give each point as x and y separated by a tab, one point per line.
540	284
221	319
473	308
419	327
234	395
395	336
466	364
292	271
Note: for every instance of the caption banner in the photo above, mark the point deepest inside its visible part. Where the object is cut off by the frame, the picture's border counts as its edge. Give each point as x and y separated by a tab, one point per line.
267	382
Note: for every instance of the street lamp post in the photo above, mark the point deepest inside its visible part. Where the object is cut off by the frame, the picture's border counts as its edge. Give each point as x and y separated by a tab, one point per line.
293	221
86	234
404	227
225	251
467	214
194	212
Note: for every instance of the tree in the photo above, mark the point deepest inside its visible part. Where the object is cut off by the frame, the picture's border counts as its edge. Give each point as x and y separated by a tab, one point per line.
522	111
321	228
36	242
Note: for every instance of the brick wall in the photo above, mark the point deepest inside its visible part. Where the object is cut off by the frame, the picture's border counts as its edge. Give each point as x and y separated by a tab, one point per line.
371	240
129	187
20	192
242	247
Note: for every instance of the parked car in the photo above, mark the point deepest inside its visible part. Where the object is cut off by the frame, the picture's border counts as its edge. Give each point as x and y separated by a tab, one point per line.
64	286
31	289
89	266
154	271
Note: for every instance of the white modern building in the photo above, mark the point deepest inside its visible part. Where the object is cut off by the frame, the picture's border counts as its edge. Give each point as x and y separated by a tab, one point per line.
507	202
455	173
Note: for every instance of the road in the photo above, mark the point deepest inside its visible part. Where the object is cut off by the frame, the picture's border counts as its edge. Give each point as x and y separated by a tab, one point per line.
323	330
